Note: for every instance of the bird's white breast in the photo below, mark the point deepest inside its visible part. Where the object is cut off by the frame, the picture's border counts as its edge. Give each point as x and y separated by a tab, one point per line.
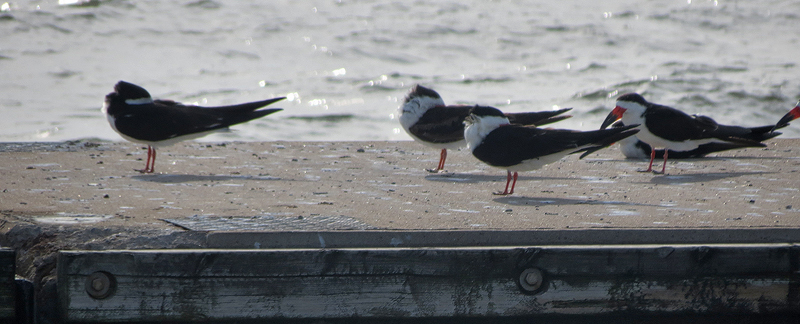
412	111
477	131
111	120
657	142
628	148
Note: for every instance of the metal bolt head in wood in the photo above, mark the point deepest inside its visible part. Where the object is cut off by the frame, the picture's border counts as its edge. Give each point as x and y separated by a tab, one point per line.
100	285
531	279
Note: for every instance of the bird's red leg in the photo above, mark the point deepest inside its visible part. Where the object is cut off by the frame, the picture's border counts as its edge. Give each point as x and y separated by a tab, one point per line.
147	161
153	163
513	184
508	180
664	168
652	157
442	158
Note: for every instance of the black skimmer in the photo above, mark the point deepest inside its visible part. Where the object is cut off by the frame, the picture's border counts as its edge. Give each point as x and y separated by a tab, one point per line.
790	116
671	129
138	118
633	148
496	142
429	121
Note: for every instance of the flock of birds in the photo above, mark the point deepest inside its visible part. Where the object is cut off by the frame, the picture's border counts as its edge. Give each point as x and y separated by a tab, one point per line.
511	141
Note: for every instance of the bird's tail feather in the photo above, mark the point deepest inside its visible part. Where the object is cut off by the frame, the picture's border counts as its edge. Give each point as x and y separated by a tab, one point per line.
250	105
538	118
241	118
745	135
617	134
764	133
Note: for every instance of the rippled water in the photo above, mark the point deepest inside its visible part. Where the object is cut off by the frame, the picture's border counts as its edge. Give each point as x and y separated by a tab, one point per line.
346	65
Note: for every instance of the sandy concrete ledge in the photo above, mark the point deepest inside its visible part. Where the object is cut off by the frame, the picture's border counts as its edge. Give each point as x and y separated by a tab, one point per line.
86	195
383	185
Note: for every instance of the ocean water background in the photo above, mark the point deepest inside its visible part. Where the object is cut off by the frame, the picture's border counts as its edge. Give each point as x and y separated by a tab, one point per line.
345	66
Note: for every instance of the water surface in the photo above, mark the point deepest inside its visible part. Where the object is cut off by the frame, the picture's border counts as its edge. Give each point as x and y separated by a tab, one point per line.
345	66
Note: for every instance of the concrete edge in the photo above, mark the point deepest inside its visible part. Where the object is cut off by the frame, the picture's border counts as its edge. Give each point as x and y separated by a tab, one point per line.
378	239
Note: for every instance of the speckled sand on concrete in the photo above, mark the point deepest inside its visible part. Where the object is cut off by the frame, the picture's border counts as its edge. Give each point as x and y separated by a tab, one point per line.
87	196
383	185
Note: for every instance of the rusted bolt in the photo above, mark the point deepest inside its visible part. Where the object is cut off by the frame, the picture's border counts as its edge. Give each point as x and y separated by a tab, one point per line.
100	285
531	279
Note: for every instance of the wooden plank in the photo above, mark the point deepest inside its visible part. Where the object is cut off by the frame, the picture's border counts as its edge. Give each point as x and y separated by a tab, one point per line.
468	238
417	283
7	285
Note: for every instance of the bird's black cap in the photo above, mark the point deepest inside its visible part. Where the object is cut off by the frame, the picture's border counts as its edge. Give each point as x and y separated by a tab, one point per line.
484	111
130	91
633	97
420	91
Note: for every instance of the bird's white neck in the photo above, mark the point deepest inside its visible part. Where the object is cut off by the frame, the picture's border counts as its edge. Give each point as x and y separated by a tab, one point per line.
633	112
475	132
139	101
412	111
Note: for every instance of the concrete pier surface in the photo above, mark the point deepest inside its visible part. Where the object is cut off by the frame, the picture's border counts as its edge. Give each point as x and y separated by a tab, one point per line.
86	196
280	186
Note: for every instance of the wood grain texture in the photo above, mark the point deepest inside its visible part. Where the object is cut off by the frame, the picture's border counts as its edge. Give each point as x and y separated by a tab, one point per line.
7	285
196	285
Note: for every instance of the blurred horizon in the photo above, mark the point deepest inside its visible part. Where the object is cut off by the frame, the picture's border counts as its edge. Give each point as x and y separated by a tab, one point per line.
346	66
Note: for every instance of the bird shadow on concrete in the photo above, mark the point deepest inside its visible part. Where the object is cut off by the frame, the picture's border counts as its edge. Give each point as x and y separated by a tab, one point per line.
669	179
475	178
180	178
731	157
541	201
718	158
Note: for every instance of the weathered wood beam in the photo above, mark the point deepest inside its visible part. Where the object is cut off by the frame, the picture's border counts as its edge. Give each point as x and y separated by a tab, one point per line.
7	285
466	238
193	285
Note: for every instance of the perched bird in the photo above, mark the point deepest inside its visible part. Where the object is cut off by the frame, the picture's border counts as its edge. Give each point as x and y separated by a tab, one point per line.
138	118
790	116
493	140
633	148
429	121
673	130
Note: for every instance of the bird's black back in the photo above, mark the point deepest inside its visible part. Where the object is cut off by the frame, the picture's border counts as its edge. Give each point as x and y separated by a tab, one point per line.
511	144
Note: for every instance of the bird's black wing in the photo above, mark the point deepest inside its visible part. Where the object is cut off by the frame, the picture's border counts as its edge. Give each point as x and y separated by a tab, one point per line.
513	144
248	106
674	125
441	124
165	119
162	120
537	118
750	134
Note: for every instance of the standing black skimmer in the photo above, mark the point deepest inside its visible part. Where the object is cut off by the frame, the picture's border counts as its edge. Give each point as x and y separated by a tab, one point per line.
429	121
633	148
493	140
138	118
671	129
790	116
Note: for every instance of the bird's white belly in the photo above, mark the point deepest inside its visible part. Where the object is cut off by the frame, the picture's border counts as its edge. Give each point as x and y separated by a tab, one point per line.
628	148
450	146
182	138
170	141
408	119
658	142
537	163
